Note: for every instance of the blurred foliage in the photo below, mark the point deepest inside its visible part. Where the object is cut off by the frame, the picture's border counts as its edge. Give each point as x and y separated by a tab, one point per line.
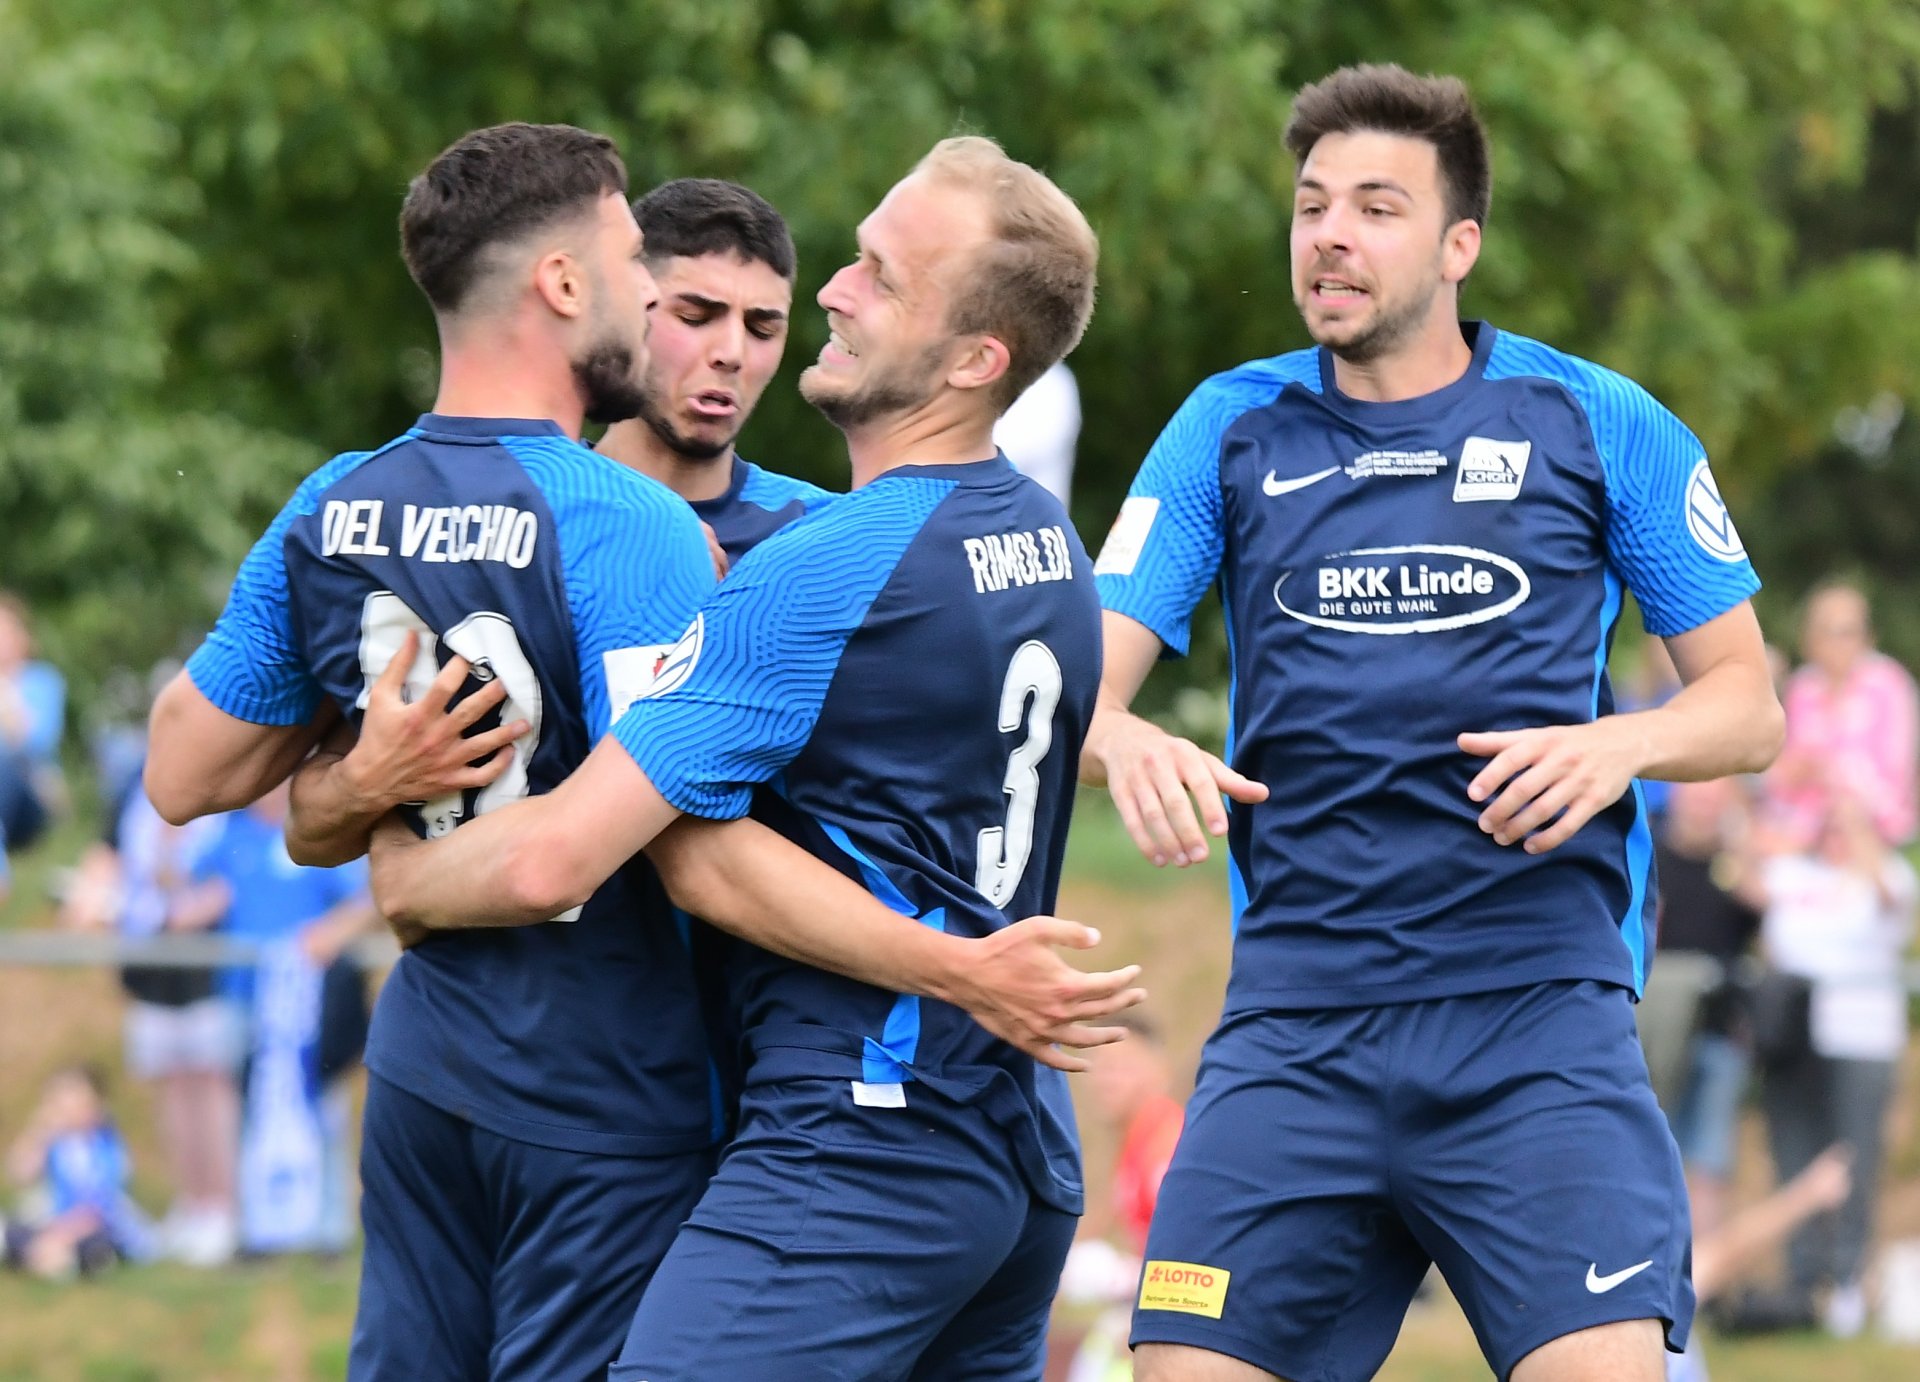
202	294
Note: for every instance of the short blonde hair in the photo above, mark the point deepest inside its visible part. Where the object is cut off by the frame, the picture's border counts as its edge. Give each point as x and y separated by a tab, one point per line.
1032	285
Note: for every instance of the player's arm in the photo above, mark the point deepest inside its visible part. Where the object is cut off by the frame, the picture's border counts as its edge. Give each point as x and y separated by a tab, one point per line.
246	709
402	753
754	883
201	760
1724	720
1670	537
525	863
1164	786
1164	550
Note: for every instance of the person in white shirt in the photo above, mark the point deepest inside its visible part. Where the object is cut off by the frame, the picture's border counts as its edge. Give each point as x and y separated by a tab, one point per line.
1039	431
1838	915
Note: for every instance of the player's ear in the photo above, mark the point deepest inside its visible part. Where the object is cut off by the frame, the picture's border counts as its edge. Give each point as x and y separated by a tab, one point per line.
561	282
1459	250
982	360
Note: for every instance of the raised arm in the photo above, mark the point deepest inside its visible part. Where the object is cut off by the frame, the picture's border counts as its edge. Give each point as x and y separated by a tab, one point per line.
754	883
201	760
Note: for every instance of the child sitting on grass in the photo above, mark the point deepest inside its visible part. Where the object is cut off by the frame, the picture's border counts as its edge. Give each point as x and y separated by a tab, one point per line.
74	1166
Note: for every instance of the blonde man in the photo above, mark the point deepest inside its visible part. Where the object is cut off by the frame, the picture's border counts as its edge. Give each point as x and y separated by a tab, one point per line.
901	685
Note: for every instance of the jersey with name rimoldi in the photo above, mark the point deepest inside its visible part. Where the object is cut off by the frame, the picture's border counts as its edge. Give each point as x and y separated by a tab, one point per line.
568	577
758	503
1394	574
901	684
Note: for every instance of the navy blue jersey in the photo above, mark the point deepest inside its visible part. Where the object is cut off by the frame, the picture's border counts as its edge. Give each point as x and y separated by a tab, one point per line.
1394	574
910	672
568	575
758	503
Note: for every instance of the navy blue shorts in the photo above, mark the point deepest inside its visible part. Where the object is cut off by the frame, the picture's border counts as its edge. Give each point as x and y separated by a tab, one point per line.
1330	1156
840	1242
487	1257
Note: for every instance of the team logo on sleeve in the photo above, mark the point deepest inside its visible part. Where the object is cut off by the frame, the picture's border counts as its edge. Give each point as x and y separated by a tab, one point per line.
1490	469
1708	519
1120	553
672	667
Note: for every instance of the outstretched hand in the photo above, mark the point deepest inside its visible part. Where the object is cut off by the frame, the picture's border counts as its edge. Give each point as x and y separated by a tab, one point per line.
1165	787
1553	780
420	751
1019	987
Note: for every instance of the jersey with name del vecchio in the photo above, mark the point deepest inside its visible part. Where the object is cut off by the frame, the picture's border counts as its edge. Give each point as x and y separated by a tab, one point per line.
569	577
1394	574
900	684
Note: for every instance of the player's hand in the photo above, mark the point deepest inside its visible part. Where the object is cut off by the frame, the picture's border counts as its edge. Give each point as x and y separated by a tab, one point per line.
1165	786
1017	985
388	859
1544	784
715	551
421	751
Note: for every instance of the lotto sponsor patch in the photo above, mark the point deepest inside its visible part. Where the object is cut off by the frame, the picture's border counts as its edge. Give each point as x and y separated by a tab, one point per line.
1187	1288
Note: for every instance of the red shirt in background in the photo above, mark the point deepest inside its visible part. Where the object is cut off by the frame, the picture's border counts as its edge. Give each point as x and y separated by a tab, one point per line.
1144	1155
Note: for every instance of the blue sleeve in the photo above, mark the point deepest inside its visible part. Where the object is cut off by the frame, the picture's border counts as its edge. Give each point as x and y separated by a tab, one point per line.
634	561
249	666
772	490
738	696
1165	547
45	692
1668	533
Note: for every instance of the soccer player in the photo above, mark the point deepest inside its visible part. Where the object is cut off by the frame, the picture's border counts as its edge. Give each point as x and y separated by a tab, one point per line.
541	1115
1422	530
901	683
723	261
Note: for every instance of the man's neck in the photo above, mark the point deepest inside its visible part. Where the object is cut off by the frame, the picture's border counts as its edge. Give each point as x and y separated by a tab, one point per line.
497	373
1425	363
927	436
638	447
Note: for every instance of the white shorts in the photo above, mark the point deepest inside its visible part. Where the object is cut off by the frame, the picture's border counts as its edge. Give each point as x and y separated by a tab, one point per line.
204	1036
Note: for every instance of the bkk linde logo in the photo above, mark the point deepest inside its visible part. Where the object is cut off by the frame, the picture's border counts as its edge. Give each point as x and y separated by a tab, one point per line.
1423	588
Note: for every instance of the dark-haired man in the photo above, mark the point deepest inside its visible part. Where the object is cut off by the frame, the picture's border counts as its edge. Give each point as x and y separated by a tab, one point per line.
1422	530
723	260
900	683
541	1113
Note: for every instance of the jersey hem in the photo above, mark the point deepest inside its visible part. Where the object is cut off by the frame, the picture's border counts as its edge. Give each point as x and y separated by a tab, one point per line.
1244	999
557	1136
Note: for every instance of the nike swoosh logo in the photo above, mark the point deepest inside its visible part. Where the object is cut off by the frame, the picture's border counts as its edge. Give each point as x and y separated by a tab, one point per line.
1600	1285
1274	486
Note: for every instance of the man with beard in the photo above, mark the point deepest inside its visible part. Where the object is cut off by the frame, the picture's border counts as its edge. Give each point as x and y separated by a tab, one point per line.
900	683
1422	530
723	261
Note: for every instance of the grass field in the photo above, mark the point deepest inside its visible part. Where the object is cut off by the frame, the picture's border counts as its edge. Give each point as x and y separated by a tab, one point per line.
287	1321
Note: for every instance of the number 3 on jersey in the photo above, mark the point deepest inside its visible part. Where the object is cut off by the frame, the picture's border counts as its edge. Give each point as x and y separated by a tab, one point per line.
1029	695
488	642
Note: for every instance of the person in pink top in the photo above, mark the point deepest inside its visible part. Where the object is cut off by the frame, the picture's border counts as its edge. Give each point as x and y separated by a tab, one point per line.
1853	726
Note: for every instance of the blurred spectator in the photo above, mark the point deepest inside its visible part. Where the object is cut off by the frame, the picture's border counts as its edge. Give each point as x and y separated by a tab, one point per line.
1851	725
295	1175
33	708
72	1156
180	1034
1039	432
1724	1254
1650	680
1131	1088
1692	1018
1838	917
